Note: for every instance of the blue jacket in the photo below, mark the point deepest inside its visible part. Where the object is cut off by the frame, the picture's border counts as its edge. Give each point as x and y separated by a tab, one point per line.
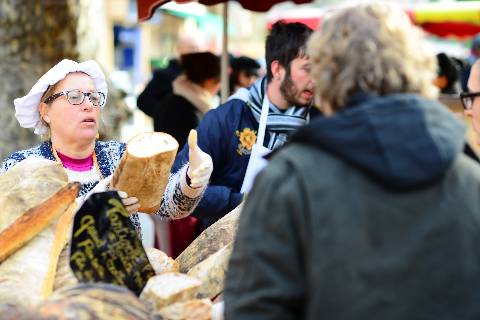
223	134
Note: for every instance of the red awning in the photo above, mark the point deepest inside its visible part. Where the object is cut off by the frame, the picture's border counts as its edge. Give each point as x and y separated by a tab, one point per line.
147	7
313	23
451	29
452	19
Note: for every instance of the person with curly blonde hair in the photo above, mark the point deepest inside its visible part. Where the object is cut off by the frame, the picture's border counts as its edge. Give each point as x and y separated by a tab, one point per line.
363	57
370	212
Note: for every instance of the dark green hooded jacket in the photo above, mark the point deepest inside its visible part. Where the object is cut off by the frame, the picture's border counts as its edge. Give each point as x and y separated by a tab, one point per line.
372	213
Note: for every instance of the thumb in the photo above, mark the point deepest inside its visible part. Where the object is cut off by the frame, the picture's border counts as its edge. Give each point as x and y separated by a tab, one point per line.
192	139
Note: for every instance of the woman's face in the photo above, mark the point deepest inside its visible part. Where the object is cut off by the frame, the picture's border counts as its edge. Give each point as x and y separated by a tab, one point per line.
68	122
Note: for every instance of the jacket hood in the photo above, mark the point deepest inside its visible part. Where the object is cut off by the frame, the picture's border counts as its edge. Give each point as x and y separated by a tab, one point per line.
402	141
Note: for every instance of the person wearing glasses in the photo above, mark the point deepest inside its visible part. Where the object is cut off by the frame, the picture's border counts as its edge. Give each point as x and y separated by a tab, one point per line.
65	106
470	101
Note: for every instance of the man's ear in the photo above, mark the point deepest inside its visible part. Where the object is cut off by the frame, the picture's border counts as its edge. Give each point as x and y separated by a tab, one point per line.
277	70
43	110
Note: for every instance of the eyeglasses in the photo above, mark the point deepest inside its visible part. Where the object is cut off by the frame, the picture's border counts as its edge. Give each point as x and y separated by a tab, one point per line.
467	99
77	97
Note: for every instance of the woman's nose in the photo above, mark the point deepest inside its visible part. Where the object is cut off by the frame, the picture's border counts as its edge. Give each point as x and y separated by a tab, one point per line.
87	105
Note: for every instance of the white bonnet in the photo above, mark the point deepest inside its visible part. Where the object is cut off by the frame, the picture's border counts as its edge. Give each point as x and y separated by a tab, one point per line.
26	107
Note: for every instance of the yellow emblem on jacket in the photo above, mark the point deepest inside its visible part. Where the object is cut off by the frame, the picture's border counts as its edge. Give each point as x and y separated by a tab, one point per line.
247	138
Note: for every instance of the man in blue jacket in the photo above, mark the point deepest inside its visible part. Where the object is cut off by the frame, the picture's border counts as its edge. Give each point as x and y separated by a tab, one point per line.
229	132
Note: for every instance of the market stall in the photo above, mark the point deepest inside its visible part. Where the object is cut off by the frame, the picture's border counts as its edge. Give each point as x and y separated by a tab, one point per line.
106	273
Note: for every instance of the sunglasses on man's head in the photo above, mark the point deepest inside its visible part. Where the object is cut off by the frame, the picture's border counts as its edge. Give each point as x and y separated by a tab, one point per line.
467	99
77	97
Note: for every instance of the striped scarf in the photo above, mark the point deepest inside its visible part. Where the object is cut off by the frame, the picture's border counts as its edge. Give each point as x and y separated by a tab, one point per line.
280	123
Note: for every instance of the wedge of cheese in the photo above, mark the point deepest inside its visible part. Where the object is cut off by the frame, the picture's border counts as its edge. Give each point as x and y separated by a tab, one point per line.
211	273
161	262
210	240
144	169
93	301
168	288
188	310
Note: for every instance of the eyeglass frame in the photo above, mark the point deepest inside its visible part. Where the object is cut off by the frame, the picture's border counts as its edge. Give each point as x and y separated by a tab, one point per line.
465	95
85	94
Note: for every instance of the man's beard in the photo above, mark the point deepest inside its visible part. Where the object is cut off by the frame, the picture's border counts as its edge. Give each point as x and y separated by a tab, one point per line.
289	91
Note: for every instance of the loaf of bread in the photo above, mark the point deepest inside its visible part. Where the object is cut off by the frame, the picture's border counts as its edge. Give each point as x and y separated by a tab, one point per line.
161	262
35	219
188	310
17	312
211	273
26	276
210	240
64	276
168	288
60	275
98	301
144	168
26	185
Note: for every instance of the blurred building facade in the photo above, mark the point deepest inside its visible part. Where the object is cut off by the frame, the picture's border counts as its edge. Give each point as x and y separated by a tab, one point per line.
139	48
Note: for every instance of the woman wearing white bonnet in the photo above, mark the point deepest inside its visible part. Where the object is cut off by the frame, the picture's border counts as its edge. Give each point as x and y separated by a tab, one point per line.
65	105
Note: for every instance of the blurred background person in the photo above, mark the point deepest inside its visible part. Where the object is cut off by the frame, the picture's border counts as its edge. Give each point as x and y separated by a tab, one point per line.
244	72
474	55
470	99
471	108
371	211
448	74
194	94
161	83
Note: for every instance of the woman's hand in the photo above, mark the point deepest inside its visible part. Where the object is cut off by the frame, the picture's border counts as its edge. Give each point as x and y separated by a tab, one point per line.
200	163
131	203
